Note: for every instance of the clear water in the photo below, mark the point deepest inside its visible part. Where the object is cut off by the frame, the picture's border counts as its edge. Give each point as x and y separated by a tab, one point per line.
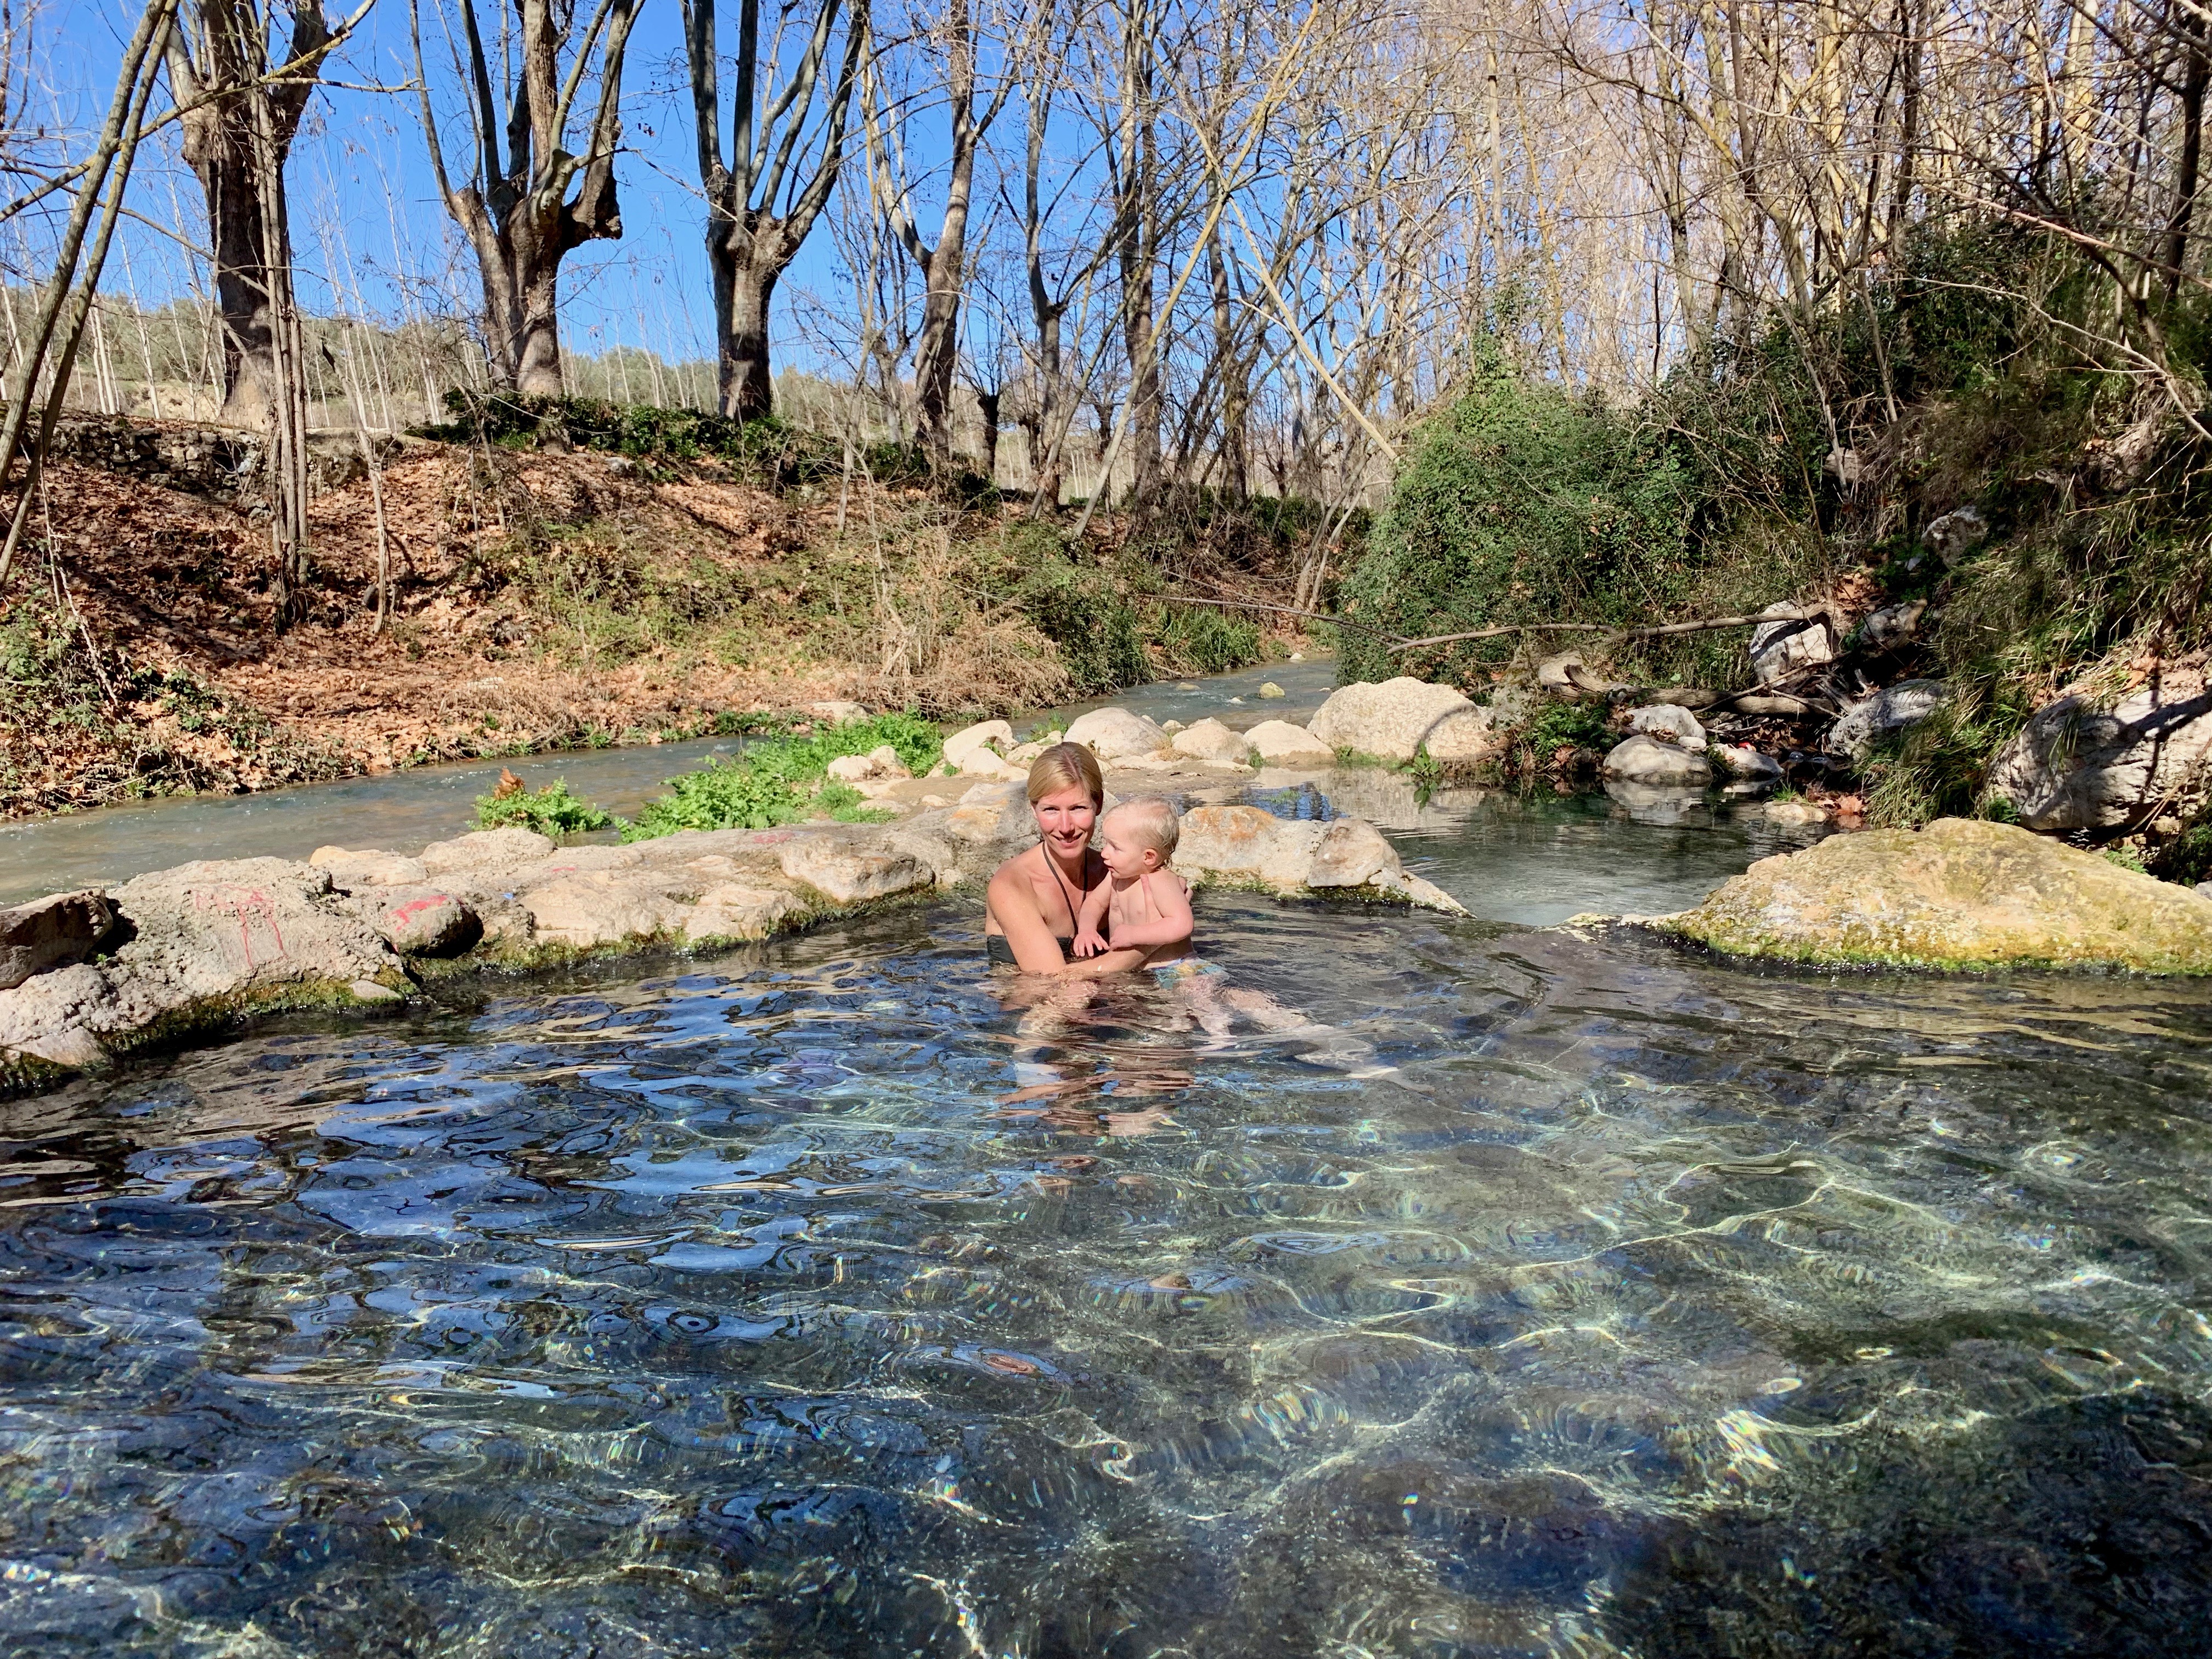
818	1300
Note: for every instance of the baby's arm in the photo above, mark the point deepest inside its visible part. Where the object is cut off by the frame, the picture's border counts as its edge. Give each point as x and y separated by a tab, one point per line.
1171	899
1088	940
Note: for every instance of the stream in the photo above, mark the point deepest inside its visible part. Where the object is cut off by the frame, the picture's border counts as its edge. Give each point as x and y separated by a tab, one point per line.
1479	1289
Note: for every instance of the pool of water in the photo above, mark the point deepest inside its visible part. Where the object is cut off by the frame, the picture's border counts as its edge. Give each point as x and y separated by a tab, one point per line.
1437	1288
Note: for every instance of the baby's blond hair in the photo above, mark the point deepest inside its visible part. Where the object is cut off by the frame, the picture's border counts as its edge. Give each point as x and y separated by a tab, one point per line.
1152	820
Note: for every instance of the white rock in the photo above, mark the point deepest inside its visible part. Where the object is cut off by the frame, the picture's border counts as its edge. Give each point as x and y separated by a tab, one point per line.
2076	767
485	850
996	737
1279	742
368	869
852	874
1893	624
1742	761
852	769
1644	760
1023	754
838	712
1210	741
1884	714
1115	734
731	909
49	932
1246	846
591	908
1668	723
1779	647
1271	690
1171	726
1400	718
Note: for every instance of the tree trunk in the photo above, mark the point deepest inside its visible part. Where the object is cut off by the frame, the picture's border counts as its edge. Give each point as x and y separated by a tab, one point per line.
745	282
1138	210
986	405
2196	70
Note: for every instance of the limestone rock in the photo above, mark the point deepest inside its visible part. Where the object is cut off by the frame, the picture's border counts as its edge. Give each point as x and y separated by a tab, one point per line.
421	921
369	869
1959	893
1787	643
1279	742
1171	726
1644	759
485	850
1244	846
839	712
734	910
1668	723
1115	734
1552	674
881	764
851	769
1884	714
847	873
591	908
973	744
1746	765
49	932
1210	741
993	814
1269	689
2075	767
1402	718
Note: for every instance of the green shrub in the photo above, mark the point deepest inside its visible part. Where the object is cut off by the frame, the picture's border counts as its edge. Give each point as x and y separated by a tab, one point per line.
1203	640
1091	619
781	780
551	810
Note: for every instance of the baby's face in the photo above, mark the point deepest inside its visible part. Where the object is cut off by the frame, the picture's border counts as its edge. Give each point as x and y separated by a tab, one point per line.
1123	855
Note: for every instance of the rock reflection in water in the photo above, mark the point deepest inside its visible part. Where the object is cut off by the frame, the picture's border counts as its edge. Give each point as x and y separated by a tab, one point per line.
1648	1307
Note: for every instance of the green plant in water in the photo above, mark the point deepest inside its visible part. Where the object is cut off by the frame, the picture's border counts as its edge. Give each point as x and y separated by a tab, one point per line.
551	810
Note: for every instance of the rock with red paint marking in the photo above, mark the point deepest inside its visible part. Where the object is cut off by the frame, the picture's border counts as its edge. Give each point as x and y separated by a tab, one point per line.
202	943
422	921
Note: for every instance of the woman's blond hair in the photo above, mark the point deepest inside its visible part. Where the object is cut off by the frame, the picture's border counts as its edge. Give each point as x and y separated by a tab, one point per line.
1066	766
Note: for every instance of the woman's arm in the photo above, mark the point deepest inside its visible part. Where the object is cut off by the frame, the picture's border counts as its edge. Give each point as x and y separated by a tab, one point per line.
1035	951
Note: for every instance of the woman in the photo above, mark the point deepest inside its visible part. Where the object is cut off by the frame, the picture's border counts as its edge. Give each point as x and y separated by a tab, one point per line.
1035	895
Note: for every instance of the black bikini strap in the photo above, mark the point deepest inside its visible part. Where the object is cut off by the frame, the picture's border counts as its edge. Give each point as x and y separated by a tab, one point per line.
1074	911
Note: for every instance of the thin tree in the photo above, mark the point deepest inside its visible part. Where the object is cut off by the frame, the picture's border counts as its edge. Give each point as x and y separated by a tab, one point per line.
763	196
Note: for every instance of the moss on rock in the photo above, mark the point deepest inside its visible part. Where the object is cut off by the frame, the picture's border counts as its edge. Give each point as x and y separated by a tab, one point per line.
1960	895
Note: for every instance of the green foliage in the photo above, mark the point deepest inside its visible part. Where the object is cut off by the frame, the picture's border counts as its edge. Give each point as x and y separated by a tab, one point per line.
2126	857
781	780
1522	503
551	810
848	804
1094	623
2187	857
1204	640
1526	752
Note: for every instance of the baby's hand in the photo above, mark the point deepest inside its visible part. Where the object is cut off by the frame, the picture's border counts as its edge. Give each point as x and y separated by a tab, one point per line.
1088	943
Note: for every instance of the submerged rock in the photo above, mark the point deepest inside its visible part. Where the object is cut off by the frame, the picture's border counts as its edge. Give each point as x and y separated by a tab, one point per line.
1960	894
1403	717
2076	767
1643	759
1884	714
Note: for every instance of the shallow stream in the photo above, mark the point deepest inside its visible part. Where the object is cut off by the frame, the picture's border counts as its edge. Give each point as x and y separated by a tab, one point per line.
1479	1291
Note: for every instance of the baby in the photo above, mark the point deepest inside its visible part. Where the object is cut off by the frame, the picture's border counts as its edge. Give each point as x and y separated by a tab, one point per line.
1142	903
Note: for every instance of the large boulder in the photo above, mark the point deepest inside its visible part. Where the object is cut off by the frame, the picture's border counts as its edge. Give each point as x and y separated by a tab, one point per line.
1886	713
2076	767
1789	642
49	932
1402	718
1210	741
1244	846
587	908
733	910
1115	734
1960	894
979	750
850	871
1279	742
369	869
1644	759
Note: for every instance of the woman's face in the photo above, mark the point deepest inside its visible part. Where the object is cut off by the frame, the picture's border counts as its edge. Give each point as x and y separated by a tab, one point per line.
1065	819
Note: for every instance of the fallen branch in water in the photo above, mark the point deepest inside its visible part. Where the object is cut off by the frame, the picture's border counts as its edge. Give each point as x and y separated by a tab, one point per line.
1705	624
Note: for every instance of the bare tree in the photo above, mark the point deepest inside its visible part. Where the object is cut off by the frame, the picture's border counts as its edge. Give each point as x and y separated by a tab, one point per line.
517	209
239	98
782	163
